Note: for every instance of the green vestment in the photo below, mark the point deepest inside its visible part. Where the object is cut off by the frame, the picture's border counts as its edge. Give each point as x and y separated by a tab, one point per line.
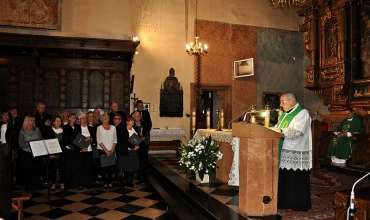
343	147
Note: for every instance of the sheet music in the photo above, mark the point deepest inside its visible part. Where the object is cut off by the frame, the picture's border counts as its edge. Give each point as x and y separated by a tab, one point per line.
53	146
38	148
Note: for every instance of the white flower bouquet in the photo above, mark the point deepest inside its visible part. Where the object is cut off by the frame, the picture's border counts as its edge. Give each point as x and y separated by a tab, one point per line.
199	156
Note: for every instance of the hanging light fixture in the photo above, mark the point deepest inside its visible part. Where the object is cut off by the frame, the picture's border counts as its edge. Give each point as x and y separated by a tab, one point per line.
286	3
196	48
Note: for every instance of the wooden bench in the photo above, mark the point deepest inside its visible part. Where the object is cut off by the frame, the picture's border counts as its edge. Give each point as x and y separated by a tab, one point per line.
17	204
362	203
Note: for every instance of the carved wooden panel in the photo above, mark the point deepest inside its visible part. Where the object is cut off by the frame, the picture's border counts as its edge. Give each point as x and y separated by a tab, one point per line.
50	91
68	73
4	86
118	88
96	89
26	87
73	90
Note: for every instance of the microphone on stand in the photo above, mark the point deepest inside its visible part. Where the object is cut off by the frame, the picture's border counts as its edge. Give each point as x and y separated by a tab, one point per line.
351	209
245	113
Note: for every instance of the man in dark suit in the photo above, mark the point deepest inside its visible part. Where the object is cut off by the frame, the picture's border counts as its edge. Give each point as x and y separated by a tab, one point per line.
41	115
145	115
146	122
17	121
114	109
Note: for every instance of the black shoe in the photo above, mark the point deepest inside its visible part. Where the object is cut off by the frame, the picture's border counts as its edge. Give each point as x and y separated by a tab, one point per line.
80	188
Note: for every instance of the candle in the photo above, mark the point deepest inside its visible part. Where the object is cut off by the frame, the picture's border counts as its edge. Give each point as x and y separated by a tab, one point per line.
267	116
253	119
193	120
208	116
222	119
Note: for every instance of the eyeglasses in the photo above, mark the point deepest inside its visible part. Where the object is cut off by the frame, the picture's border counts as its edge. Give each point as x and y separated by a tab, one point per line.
284	101
116	119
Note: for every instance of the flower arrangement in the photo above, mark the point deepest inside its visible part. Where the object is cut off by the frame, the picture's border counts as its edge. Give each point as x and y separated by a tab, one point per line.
199	156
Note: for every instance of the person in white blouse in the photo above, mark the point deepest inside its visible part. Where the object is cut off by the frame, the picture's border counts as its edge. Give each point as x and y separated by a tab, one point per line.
106	139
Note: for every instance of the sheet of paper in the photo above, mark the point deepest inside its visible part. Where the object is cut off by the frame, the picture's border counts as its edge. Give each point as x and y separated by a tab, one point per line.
53	146
38	148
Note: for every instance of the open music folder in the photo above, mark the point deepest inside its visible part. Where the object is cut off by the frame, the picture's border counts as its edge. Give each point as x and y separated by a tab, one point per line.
45	147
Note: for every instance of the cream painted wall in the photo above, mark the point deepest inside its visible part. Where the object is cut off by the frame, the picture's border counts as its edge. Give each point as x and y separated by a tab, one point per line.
113	19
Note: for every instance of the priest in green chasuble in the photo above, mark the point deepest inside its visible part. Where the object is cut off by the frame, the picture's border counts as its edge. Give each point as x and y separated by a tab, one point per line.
295	155
342	145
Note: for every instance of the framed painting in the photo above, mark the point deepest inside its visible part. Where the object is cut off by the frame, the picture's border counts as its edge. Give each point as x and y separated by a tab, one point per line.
273	100
243	68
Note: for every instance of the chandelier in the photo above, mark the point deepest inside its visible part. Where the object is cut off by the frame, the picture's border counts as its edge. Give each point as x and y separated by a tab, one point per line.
196	48
288	3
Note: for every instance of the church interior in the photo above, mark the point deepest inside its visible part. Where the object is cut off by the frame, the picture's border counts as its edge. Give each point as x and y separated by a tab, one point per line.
81	55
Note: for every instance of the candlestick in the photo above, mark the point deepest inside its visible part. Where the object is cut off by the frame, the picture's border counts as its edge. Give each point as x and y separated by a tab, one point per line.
253	116
208	116
222	119
267	116
193	120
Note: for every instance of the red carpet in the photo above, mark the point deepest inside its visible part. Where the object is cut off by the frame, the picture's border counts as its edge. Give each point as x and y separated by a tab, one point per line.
324	184
330	182
321	209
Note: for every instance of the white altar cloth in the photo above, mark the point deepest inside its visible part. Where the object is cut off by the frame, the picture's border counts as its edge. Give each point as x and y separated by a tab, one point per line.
167	134
225	136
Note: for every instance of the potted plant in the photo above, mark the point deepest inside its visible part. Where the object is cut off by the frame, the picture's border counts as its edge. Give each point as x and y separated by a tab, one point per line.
199	155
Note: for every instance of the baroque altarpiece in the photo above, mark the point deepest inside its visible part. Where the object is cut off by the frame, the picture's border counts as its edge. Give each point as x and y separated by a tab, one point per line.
336	40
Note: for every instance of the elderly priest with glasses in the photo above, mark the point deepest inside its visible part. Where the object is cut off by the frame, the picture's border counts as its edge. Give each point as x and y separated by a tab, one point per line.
295	155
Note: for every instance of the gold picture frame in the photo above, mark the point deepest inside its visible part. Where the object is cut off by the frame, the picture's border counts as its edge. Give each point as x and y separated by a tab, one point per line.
243	68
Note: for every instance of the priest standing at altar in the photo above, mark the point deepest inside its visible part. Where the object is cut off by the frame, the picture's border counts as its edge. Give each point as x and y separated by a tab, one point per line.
295	155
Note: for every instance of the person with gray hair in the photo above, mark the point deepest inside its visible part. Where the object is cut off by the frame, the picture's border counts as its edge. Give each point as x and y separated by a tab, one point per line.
295	155
83	157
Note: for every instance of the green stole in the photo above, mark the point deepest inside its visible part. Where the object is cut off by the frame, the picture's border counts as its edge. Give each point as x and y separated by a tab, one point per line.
284	121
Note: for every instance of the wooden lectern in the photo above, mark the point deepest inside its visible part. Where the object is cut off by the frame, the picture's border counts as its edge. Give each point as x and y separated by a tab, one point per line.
258	169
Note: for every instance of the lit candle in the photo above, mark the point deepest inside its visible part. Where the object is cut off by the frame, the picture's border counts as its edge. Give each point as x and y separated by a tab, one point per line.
267	116
253	116
222	119
253	119
193	120
208	116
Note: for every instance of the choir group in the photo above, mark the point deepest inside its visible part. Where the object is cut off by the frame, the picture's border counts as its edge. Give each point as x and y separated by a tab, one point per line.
108	135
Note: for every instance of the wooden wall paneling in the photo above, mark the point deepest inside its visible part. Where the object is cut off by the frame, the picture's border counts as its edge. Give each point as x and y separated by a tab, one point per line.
117	91
62	88
73	89
50	88
64	72
85	90
5	75
96	88
26	88
106	90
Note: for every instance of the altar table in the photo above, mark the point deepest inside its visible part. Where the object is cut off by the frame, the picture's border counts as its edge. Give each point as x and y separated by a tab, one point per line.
229	146
169	134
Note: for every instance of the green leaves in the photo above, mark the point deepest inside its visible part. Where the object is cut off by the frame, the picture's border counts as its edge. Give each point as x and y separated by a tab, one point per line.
199	155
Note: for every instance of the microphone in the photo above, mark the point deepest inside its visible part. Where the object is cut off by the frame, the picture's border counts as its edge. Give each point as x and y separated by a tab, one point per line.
351	208
237	117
